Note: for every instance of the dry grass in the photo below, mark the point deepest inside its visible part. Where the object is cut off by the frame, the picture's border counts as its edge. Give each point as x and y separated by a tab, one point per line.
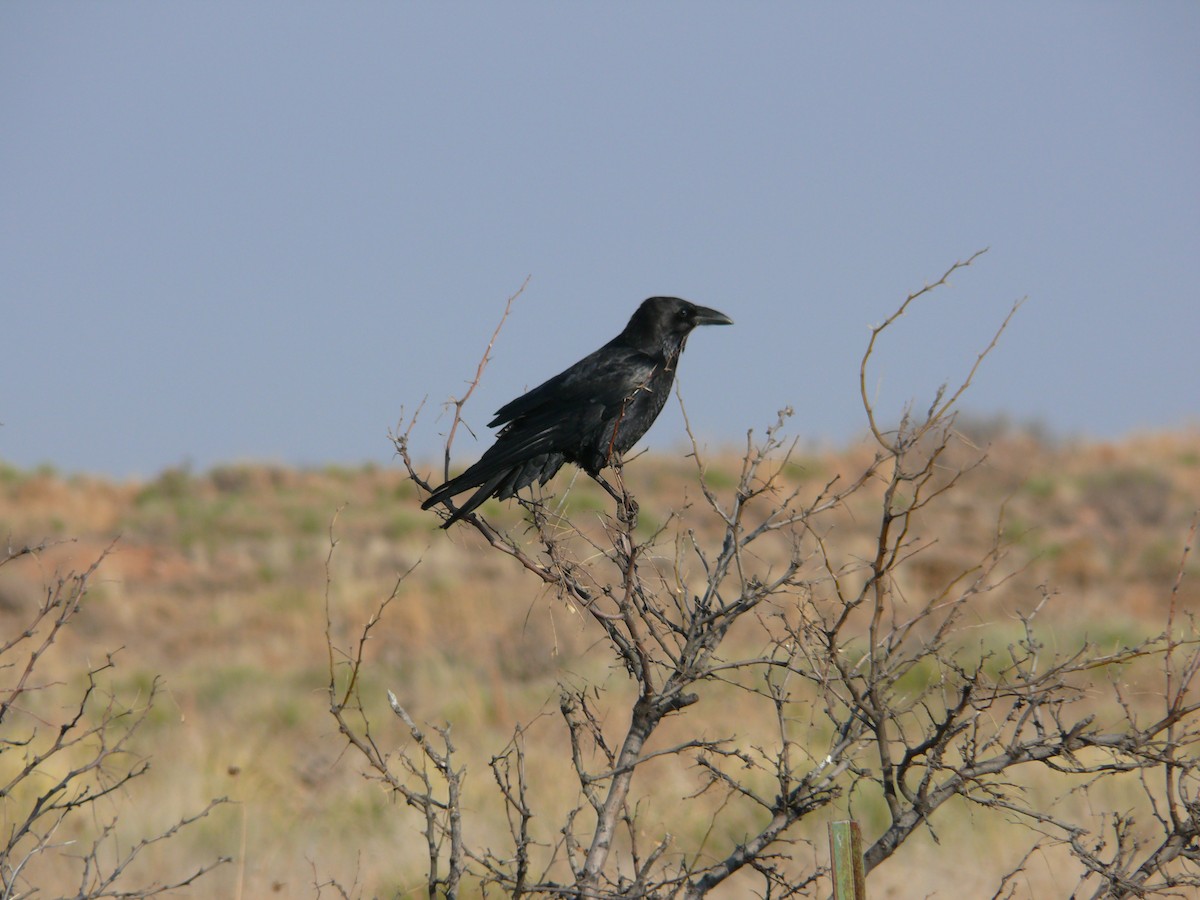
217	584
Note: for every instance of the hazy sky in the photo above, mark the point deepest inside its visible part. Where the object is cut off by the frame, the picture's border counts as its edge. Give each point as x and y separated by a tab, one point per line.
242	231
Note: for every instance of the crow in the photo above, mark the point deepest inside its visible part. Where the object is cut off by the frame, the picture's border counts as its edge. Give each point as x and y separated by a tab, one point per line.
589	414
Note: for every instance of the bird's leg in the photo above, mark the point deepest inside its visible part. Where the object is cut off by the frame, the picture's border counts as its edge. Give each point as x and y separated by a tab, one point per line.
612	491
627	508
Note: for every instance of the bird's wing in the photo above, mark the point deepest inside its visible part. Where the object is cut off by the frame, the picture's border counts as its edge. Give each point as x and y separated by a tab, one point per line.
606	378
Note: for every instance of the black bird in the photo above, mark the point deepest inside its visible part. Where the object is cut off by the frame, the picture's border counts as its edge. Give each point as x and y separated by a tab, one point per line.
590	414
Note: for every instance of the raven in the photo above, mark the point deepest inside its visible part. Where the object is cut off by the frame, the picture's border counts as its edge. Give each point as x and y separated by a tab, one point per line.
589	414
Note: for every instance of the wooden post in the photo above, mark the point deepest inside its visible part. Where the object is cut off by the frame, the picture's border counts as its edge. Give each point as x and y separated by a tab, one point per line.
846	861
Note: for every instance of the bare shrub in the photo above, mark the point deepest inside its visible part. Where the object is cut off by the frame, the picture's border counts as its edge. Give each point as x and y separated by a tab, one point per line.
66	759
779	676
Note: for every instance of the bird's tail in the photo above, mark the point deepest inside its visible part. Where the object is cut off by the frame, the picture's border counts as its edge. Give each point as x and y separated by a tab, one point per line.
487	484
502	471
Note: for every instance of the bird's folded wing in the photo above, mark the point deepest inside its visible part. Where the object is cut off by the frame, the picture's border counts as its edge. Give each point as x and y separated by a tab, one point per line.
606	378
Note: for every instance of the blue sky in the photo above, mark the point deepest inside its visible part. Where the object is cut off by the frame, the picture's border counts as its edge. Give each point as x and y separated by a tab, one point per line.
257	231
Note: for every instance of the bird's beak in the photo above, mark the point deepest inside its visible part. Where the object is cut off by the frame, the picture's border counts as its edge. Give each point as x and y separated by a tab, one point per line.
706	316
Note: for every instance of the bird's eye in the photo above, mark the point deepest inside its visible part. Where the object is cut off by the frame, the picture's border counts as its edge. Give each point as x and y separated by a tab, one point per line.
684	313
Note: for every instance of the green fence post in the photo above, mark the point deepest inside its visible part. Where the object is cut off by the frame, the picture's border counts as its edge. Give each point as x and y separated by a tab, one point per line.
846	861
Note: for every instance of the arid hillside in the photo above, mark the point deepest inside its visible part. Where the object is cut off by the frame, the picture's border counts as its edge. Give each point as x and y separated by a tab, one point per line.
217	584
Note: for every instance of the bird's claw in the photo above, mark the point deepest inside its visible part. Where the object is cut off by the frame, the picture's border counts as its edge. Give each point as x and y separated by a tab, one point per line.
627	511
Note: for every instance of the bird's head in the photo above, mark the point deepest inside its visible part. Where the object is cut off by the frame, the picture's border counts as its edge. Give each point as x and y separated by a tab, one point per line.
667	321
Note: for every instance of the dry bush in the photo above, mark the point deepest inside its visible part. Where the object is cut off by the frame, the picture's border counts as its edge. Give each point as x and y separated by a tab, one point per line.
66	761
828	684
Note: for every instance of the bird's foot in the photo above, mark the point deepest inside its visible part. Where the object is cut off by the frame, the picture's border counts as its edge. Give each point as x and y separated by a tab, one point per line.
627	511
